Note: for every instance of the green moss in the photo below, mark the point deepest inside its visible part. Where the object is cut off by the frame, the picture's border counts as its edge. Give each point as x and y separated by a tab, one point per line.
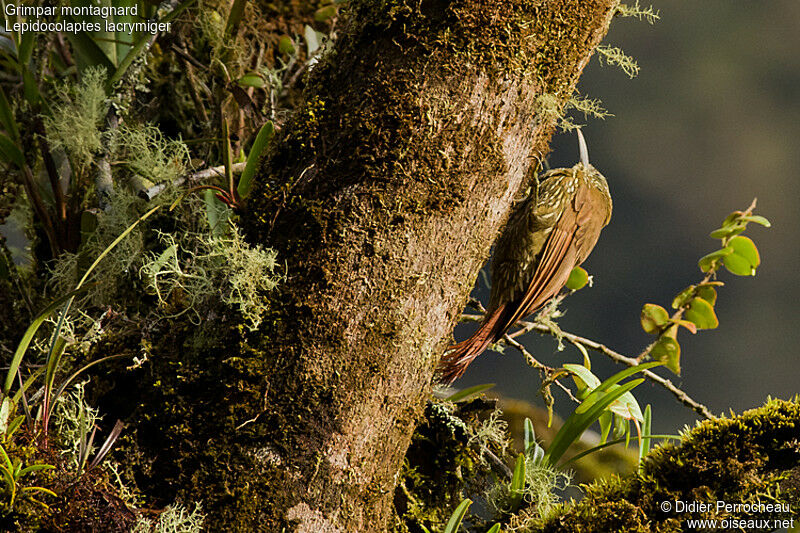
444	464
742	459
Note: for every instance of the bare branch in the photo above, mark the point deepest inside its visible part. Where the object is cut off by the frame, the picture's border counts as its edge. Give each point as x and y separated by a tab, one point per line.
526	326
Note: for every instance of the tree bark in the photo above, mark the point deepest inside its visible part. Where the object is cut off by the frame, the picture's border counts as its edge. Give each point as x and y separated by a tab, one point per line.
383	197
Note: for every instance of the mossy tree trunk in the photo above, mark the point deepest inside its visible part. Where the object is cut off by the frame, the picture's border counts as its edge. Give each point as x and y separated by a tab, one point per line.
383	196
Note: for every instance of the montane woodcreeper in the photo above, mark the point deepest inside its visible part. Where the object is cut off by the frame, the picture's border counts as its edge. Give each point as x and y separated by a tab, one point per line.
547	235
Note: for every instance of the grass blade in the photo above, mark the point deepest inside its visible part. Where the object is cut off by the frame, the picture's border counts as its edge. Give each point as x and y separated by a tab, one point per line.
610	443
75	374
27	337
468	392
644	445
601	389
518	482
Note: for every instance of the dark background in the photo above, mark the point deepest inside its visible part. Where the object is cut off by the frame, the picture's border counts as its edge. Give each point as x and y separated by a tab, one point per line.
712	121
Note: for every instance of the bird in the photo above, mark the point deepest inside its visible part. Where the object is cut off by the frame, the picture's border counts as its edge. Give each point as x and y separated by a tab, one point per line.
547	235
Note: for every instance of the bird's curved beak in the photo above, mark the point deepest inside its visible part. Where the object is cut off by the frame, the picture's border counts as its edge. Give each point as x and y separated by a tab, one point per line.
583	149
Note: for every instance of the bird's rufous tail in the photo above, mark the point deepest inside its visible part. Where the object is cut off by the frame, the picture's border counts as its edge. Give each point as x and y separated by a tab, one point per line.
458	357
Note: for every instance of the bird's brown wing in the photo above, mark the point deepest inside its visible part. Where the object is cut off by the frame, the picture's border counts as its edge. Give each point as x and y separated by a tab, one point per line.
565	248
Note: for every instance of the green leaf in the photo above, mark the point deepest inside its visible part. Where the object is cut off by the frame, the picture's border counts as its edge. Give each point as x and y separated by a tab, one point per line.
538	454
707	262
88	53
582	376
653	318
683	297
6	461
727	230
707	293
529	435
234	17
217	213
581	419
468	393
39	489
262	139
745	247
140	45
644	442
518	482
611	443
27	337
13	426
457	516
621	429
31	89
122	38
26	47
324	13
286	46
54	357
626	407
668	351
578	279
701	314
758	220
606	385
591	409
738	265
252	80
494	529
35	468
606	420
11	152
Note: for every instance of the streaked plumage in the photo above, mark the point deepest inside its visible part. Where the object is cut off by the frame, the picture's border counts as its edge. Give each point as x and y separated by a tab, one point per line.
547	235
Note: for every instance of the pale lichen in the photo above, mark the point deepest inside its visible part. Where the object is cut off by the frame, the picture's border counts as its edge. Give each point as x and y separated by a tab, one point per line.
77	117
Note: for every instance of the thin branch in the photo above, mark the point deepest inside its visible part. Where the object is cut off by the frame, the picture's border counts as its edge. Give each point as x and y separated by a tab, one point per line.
532	361
155	190
682	397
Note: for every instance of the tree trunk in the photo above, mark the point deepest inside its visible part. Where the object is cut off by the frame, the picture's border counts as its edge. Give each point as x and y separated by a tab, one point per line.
383	197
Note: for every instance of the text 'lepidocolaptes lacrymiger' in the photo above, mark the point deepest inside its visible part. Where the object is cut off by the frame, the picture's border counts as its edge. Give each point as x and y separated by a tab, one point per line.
547	235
